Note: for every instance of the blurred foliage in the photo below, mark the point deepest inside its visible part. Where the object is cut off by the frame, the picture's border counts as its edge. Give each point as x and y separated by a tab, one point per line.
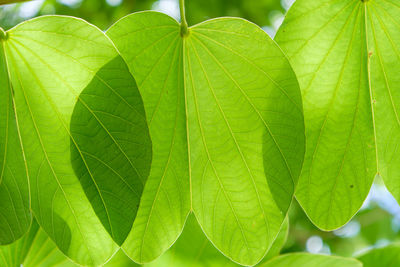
371	227
257	11
103	14
5	2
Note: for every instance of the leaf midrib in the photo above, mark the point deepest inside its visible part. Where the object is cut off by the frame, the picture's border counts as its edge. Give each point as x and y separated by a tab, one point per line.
229	126
208	154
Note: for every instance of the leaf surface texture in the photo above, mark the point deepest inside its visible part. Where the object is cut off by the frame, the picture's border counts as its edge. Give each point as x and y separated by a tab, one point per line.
225	118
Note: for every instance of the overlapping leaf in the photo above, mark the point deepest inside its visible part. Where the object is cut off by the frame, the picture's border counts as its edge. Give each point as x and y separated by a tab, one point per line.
311	260
225	117
194	249
346	57
15	216
388	256
279	242
64	69
36	249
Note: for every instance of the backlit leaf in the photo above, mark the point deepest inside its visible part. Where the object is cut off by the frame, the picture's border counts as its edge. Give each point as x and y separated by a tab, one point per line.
194	249
388	256
279	241
36	249
311	260
64	69
346	56
225	118
15	216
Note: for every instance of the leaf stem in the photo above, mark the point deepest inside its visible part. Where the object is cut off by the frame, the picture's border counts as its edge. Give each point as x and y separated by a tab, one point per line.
3	34
184	25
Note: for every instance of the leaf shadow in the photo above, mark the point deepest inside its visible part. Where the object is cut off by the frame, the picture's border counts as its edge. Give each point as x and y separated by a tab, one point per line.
111	150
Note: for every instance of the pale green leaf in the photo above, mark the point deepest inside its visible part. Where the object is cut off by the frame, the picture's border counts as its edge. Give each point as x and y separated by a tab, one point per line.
279	241
42	251
192	249
15	216
225	118
14	254
311	260
346	57
36	249
383	24
388	256
54	63
120	260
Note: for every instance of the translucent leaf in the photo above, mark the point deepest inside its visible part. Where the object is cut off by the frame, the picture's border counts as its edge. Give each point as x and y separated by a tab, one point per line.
388	256
279	241
15	216
194	249
83	133
225	118
311	260
346	56
36	249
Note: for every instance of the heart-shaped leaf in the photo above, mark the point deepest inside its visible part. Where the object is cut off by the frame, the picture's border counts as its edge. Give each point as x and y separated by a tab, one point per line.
346	56
225	116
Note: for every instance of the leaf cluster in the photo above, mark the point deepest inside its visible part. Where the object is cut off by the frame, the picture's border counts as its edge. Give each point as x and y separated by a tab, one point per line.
144	138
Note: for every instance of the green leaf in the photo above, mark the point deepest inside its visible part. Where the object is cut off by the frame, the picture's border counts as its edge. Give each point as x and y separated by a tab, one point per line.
15	216
311	260
111	147
279	241
37	249
42	251
346	56
55	63
13	255
120	260
388	256
225	118
192	249
34	249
